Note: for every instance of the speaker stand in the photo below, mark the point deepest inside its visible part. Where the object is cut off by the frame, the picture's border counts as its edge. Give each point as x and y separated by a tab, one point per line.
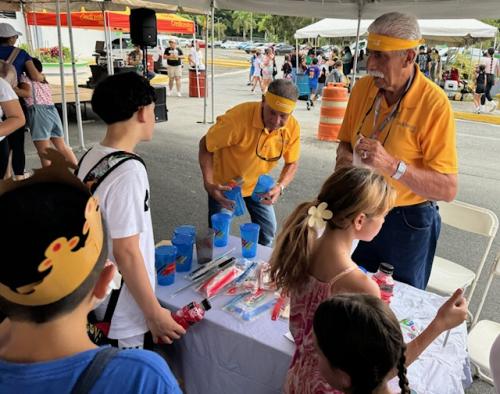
144	61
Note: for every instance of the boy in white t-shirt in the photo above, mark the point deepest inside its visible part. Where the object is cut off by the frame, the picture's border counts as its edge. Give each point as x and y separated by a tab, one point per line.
126	103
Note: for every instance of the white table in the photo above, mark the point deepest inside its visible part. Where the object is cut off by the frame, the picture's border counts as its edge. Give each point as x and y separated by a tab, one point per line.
224	355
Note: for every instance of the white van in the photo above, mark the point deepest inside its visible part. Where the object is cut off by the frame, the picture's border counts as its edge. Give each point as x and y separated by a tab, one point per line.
121	46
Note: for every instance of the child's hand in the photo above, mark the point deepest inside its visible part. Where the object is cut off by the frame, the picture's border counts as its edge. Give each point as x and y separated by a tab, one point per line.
453	312
163	327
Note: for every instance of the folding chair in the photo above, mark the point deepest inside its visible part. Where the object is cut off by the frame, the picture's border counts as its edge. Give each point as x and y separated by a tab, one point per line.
447	276
483	334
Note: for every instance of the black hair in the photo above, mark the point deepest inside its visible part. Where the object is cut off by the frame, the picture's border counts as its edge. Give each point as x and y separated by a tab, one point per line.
119	96
421	47
360	335
491	51
315	60
37	63
482	67
34	216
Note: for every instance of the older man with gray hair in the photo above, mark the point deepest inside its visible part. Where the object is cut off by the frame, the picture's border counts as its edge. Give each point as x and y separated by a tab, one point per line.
401	124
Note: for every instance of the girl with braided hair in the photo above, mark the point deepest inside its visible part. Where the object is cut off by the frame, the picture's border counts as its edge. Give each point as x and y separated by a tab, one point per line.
359	343
312	262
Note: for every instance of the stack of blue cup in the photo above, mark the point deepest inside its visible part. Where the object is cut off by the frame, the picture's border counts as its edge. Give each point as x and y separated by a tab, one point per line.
184	239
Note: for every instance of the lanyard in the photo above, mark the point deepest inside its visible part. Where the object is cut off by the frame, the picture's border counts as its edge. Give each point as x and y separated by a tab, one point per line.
390	117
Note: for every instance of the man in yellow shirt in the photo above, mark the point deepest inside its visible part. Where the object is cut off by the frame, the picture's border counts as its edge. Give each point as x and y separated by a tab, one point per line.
401	124
246	142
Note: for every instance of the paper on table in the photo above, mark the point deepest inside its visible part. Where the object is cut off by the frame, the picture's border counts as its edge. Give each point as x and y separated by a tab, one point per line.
289	336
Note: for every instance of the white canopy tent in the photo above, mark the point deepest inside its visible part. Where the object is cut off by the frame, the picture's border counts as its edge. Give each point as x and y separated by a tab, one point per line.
442	30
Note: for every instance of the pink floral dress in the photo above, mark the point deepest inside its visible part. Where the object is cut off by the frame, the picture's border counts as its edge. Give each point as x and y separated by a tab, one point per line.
303	375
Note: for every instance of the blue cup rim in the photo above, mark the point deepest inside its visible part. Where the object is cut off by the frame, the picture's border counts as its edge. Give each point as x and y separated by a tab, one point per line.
221	215
165	249
265	179
249	227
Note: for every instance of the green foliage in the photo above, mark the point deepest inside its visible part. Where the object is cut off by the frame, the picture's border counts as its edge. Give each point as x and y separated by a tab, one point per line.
51	55
465	65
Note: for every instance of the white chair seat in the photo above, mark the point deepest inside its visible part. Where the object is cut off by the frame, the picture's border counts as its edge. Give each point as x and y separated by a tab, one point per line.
447	276
480	341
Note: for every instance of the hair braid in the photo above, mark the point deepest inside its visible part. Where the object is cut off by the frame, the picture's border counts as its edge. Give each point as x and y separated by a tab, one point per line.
403	380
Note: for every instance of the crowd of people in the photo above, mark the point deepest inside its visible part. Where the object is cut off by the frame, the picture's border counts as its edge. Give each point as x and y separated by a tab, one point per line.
90	232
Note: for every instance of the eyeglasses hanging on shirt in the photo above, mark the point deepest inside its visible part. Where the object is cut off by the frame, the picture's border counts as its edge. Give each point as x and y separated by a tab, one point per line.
377	131
259	147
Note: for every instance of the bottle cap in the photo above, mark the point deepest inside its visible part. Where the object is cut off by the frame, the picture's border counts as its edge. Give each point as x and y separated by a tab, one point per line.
386	268
205	304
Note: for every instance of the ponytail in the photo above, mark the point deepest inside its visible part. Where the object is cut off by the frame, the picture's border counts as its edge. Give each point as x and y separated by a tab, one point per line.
290	258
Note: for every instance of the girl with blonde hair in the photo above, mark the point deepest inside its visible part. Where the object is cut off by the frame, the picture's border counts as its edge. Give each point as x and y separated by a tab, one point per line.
312	262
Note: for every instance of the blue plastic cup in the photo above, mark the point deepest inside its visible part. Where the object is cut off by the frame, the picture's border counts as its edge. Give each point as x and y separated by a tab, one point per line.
221	223
165	257
184	244
264	184
235	195
249	239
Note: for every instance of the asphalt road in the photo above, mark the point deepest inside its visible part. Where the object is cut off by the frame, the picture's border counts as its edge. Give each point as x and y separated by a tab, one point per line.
178	196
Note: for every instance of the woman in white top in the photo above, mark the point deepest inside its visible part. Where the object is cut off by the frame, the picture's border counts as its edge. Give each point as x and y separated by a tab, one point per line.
195	57
492	72
11	119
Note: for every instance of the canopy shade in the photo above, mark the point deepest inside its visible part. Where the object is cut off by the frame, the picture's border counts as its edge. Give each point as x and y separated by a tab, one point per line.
350	9
442	30
117	20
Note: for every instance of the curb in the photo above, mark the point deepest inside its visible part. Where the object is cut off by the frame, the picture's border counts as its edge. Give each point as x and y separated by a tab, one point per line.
484	118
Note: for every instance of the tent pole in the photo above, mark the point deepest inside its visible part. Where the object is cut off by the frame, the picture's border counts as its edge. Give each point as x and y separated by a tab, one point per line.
196	68
205	104
61	71
212	65
107	39
355	65
29	39
75	79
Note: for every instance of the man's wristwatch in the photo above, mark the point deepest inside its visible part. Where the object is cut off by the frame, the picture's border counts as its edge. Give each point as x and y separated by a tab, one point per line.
400	170
282	188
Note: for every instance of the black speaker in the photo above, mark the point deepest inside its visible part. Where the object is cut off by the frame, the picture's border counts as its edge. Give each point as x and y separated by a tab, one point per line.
143	27
161	104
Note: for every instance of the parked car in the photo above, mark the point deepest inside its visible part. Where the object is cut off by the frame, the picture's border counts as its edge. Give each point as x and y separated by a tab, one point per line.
229	45
283	49
243	44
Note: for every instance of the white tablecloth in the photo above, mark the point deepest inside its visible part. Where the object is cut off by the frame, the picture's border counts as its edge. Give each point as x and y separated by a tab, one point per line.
224	355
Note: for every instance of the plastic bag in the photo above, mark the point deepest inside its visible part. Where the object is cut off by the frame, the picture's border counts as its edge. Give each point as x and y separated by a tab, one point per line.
249	307
247	281
213	285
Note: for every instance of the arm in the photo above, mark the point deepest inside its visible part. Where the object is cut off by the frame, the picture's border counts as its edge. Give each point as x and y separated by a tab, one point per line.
450	315
14	117
33	73
23	90
344	155
132	267
205	159
286	177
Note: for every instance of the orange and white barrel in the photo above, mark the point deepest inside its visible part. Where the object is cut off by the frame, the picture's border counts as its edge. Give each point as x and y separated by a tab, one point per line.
333	106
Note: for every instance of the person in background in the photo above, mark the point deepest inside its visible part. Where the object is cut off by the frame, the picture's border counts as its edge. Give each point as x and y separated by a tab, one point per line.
361	65
336	75
423	61
436	67
322	77
267	67
174	67
248	141
23	64
480	88
312	262
401	124
195	57
53	274
134	58
11	119
313	72
492	65
347	61
287	68
43	119
252	67
257	72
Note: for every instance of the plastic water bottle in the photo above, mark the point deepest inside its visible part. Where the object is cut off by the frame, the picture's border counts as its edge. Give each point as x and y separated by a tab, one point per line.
191	314
384	280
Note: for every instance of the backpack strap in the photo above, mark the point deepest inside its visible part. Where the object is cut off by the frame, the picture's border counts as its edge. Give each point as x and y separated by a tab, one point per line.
80	162
113	300
93	371
106	166
13	55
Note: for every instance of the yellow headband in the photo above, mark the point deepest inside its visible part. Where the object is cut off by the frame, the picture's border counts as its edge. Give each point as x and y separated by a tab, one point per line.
65	268
280	104
377	42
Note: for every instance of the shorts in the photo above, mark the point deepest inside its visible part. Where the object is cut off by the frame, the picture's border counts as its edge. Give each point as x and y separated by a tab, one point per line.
174	71
480	89
44	122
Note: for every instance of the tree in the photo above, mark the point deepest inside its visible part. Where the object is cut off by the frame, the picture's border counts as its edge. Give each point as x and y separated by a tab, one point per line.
220	30
242	22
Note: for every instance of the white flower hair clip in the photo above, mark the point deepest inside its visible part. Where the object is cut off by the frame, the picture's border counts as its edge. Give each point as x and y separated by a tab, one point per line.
317	216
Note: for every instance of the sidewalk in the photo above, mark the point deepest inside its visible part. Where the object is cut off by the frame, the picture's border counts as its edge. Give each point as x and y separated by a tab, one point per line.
463	110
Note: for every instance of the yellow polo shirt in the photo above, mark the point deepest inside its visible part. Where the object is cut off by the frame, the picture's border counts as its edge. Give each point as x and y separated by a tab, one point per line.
234	137
422	134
